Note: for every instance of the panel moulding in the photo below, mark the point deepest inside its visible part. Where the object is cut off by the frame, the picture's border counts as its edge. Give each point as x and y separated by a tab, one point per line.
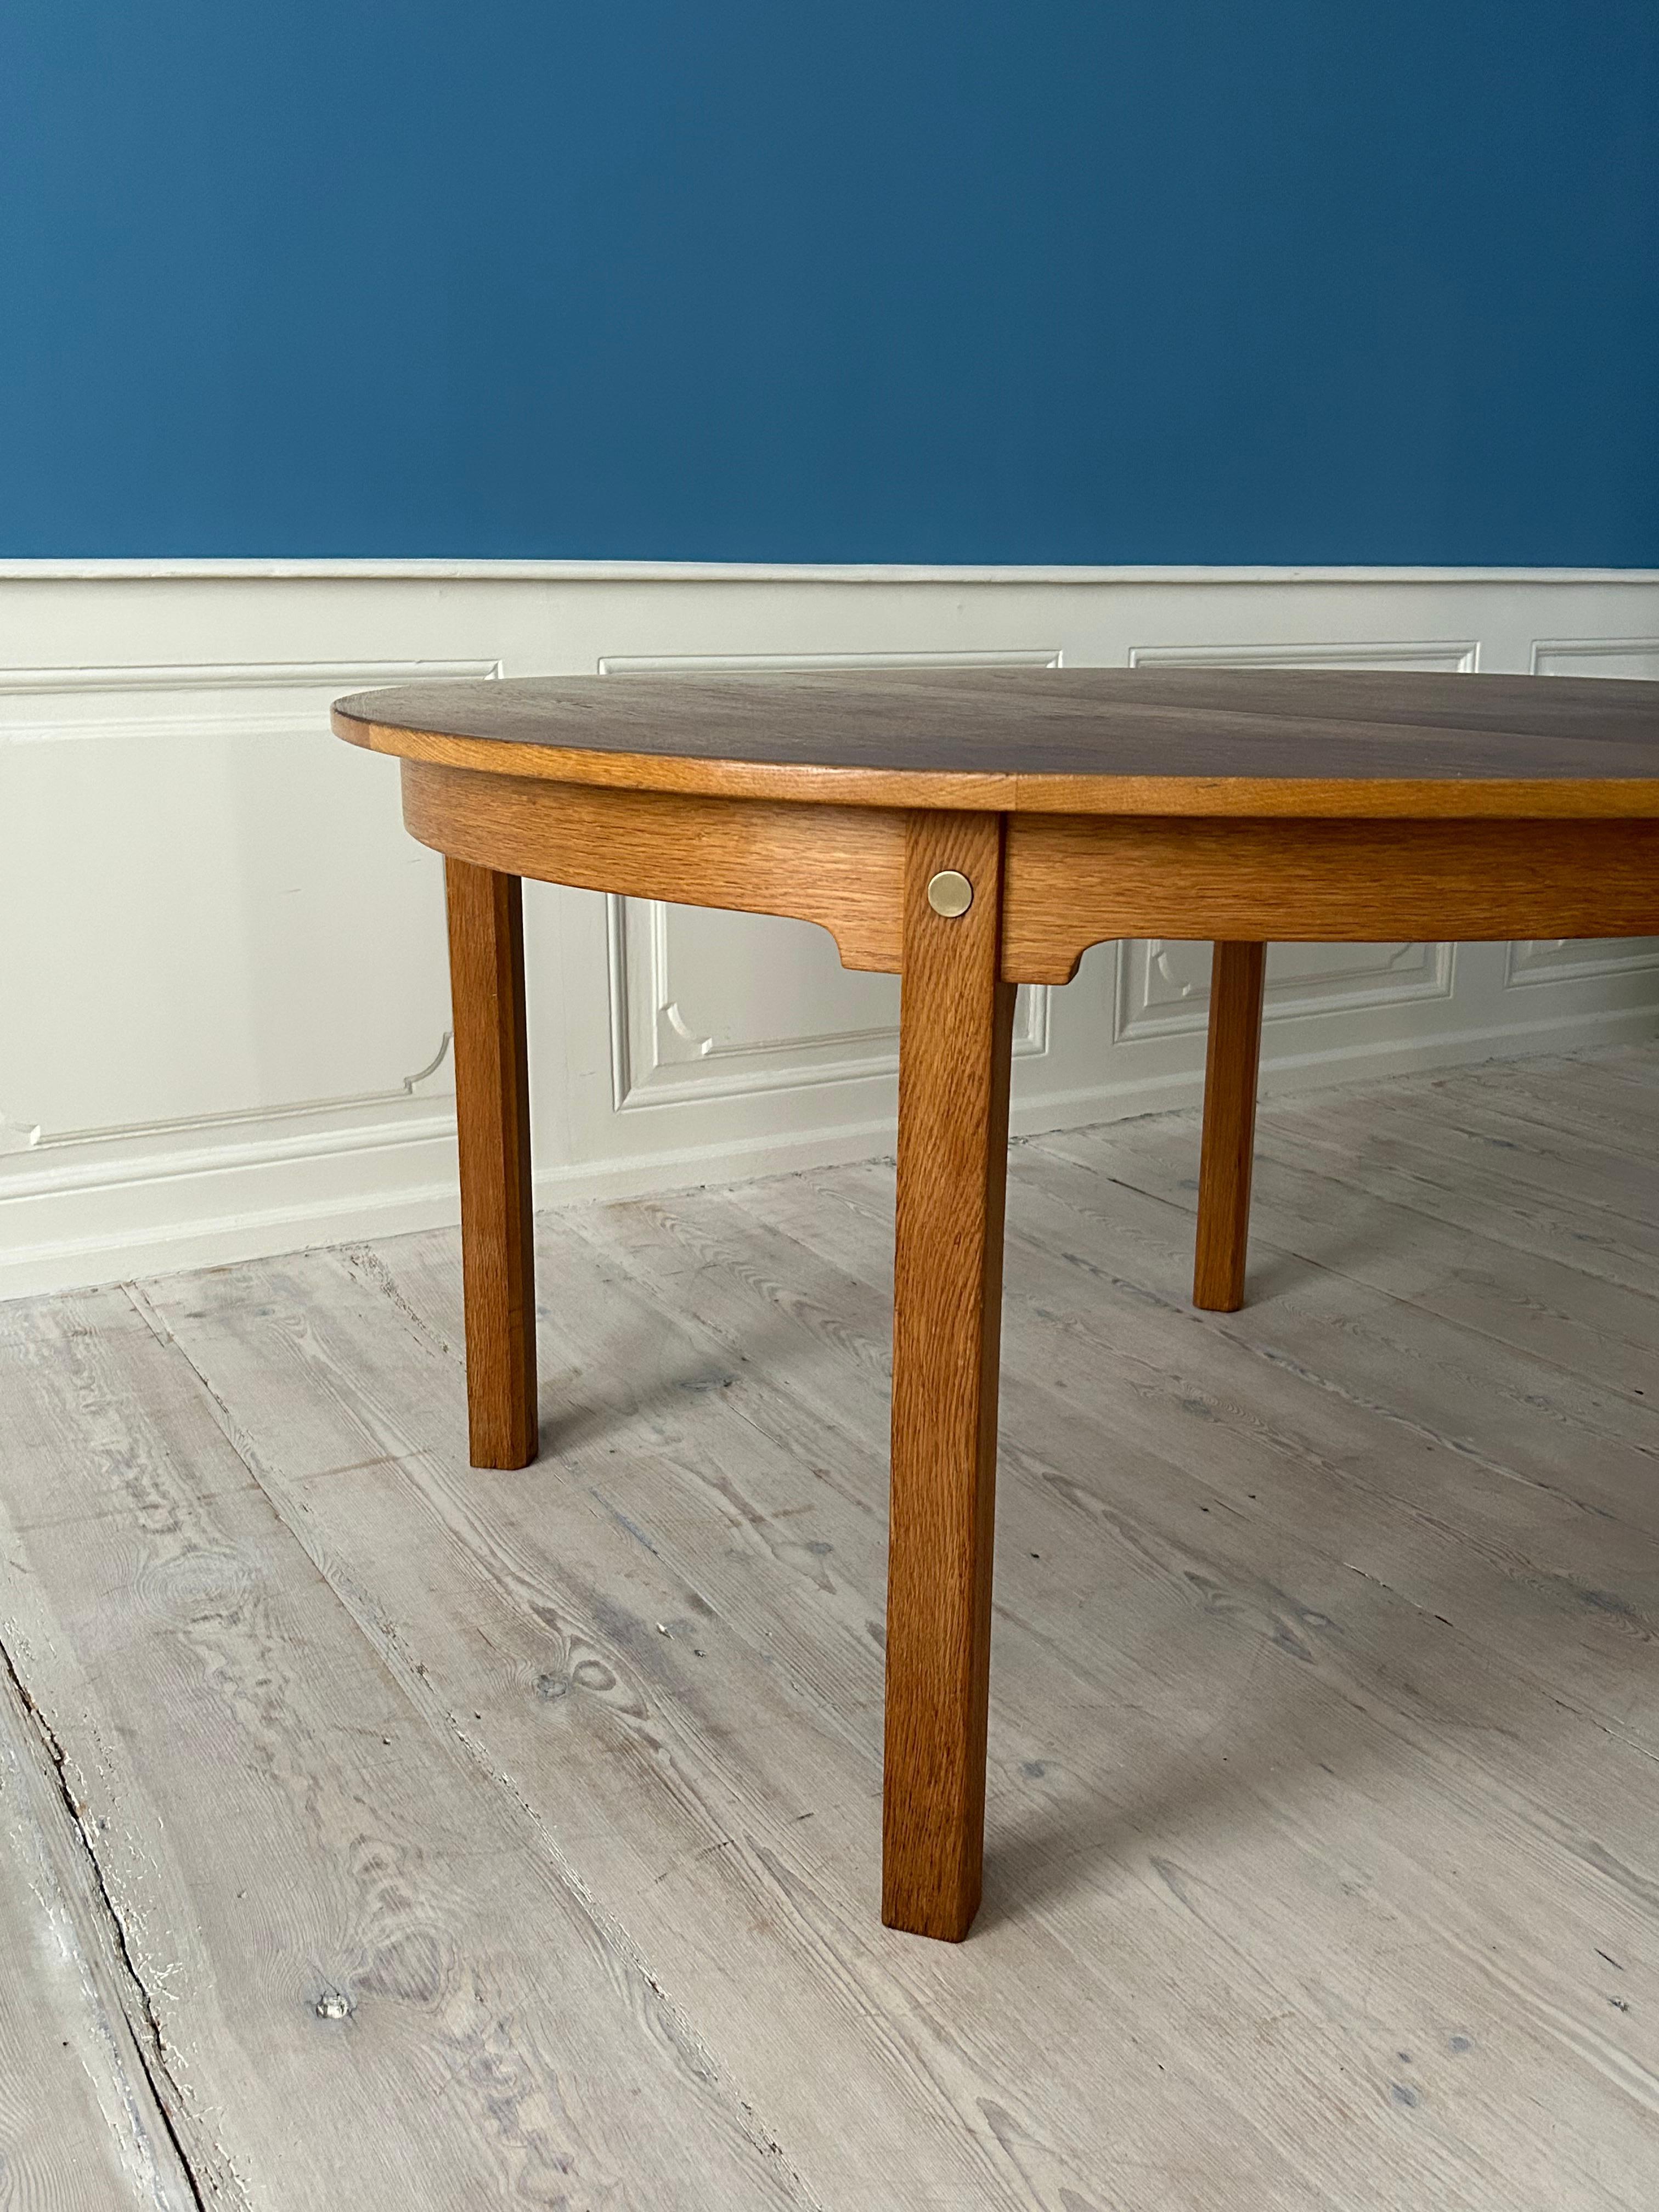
1637	657
1163	987
707	664
230	700
765	1056
1567	959
227	680
1452	658
660	1058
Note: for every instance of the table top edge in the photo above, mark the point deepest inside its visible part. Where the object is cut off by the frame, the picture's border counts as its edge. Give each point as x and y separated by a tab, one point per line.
1324	797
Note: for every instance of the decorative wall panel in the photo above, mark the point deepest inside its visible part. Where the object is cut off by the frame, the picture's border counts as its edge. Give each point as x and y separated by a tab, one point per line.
223	1006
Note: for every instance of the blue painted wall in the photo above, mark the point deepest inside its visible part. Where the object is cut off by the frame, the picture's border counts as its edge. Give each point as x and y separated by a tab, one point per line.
896	280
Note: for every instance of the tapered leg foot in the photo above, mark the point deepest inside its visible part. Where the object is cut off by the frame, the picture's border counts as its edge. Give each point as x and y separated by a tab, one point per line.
492	1107
1230	1088
956	1031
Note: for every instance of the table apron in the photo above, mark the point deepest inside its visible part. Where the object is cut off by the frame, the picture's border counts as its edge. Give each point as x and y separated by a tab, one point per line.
1075	880
841	866
1070	881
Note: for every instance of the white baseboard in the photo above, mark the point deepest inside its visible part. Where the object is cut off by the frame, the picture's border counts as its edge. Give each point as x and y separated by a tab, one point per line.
225	1203
224	1005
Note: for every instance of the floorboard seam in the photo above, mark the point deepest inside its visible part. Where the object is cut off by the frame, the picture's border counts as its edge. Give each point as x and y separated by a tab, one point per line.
1424	1212
149	2039
1422	1208
1268	1244
409	1675
366	1263
1610	1208
1274	1358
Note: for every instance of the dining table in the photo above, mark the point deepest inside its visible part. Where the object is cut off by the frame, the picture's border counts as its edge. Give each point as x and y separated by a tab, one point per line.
971	829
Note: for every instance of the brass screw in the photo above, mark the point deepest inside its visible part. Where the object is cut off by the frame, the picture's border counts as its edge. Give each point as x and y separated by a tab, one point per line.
950	893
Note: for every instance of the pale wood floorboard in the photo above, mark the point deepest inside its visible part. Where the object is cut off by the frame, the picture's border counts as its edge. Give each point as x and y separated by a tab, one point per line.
372	1980
80	2122
519	1831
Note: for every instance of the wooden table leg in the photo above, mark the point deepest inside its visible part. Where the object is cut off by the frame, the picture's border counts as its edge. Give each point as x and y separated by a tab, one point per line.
1230	1087
956	1032
492	1107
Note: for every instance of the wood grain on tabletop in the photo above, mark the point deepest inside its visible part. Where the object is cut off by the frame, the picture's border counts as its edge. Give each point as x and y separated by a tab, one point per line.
1066	739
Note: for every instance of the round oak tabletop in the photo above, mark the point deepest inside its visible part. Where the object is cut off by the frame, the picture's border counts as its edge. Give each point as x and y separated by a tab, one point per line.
1166	741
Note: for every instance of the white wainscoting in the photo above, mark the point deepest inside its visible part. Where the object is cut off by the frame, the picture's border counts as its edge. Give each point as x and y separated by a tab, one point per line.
223	1013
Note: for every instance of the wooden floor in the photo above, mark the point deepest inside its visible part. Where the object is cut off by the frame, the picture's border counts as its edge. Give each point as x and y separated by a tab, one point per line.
377	1833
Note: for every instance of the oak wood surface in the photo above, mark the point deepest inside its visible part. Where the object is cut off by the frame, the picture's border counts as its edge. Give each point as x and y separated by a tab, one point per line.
1071	881
1074	881
1435	812
841	866
492	1113
1078	740
956	1035
1231	1063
